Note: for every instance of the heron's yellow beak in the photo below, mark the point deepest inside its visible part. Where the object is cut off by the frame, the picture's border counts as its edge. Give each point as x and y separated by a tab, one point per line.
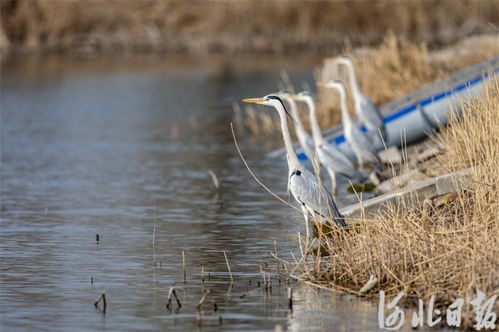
254	100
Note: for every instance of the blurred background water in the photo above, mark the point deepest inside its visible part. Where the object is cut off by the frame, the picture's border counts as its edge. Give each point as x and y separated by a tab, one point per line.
88	147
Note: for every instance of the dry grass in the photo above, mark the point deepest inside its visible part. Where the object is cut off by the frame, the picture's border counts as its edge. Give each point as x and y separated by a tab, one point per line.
399	66
225	26
395	68
449	251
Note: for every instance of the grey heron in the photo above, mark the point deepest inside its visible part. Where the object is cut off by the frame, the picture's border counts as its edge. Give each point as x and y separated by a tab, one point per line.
312	197
360	143
306	141
367	112
329	155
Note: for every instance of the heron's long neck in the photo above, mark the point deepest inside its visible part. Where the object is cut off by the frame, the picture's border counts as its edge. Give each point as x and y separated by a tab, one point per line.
294	113
316	130
293	161
354	85
345	114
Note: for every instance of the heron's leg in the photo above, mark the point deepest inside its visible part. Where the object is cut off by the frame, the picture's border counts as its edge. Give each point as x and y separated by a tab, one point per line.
305	214
332	175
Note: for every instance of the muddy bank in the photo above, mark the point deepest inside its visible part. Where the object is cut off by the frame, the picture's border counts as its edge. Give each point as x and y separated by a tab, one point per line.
226	27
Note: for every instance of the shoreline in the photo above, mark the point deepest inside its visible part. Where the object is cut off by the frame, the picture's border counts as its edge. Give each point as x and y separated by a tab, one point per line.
96	46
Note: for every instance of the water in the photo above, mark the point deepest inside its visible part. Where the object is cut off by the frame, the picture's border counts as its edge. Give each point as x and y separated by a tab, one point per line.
88	147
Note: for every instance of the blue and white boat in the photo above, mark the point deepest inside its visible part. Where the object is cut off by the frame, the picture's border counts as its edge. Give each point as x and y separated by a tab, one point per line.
413	117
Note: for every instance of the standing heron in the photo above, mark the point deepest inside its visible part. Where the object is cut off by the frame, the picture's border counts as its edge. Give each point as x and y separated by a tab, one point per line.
306	141
361	145
367	112
304	187
329	155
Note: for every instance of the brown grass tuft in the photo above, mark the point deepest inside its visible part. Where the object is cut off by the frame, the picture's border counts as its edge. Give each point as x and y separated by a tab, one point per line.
230	27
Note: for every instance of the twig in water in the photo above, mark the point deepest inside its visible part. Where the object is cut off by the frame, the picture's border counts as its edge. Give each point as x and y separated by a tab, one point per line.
102	298
216	183
230	288
154	235
97	238
199	318
183	263
172	293
203	298
202	273
169	298
228	266
290	298
276	260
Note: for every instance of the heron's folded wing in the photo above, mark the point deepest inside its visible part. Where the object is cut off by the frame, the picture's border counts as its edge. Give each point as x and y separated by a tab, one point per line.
372	111
307	190
333	157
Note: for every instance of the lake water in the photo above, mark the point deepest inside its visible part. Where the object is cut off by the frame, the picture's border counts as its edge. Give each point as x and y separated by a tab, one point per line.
88	147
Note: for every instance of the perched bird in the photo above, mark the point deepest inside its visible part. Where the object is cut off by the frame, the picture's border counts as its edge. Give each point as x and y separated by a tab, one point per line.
367	112
306	141
313	199
329	155
360	143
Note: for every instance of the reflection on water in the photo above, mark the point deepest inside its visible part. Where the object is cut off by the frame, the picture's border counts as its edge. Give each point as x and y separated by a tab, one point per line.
89	147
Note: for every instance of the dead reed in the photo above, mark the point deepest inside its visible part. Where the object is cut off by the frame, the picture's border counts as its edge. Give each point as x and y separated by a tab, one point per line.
228	267
207	27
171	295
449	250
102	298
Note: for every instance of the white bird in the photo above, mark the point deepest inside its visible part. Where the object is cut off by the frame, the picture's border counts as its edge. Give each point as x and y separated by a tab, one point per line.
367	112
306	141
360	143
329	155
314	199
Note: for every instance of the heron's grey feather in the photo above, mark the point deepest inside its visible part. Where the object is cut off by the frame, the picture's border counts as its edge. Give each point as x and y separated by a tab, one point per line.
331	156
370	115
307	191
362	145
